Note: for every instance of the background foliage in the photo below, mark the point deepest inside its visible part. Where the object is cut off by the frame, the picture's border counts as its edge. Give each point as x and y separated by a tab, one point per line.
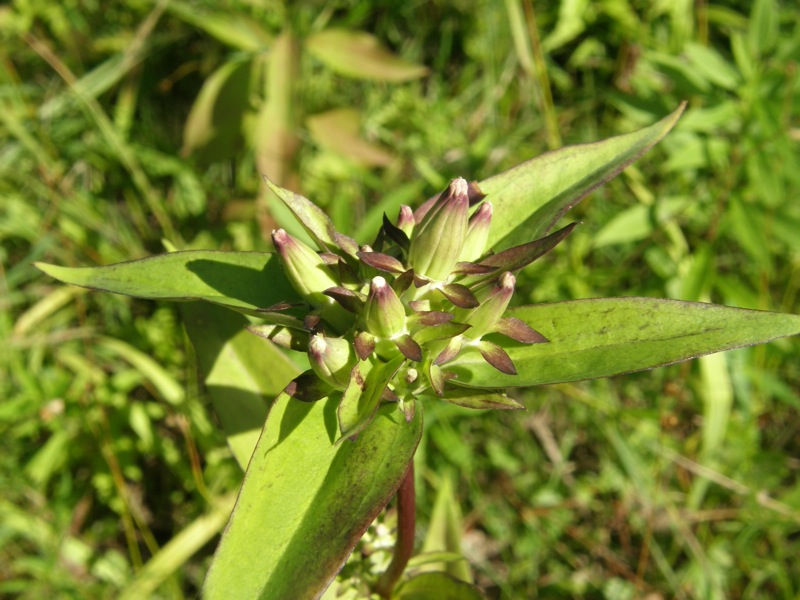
123	124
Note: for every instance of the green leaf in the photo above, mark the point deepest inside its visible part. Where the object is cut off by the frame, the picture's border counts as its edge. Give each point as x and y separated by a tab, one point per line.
481	400
305	502
230	27
608	336
437	585
530	198
173	556
313	219
361	398
214	124
338	130
232	360
445	531
245	281
359	54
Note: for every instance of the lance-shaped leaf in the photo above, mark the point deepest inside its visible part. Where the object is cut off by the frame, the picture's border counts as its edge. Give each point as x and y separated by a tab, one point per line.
286	337
517	257
308	387
306	502
382	262
608	336
311	217
480	399
361	55
528	199
442	331
244	281
459	295
410	349
232	360
362	396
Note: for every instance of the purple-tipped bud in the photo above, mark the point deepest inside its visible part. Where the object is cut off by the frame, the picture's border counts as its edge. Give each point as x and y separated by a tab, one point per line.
437	241
484	318
304	268
405	220
332	359
477	233
384	314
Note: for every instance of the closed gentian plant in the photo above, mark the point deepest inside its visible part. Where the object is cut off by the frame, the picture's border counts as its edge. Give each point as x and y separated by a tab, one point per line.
417	314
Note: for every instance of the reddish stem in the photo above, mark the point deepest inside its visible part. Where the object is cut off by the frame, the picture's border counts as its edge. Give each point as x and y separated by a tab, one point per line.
404	546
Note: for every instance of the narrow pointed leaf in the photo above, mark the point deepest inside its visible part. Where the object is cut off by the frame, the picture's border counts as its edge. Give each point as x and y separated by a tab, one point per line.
284	337
395	233
402	282
347	244
409	348
311	217
497	357
339	131
427	318
519	331
528	199
232	360
306	502
241	280
436	378
361	398
517	257
468	268
450	351
440	332
444	535
482	400
361	55
307	387
382	262
459	295
282	320
349	300
364	344
608	336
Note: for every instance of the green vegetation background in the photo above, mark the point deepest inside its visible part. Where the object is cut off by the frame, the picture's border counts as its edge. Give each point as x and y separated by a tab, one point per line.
125	123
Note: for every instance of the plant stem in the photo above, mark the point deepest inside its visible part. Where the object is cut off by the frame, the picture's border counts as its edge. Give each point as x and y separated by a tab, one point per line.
404	546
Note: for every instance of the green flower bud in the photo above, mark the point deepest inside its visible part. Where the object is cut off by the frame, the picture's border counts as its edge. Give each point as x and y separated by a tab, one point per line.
437	241
331	359
304	268
384	314
477	234
405	220
484	318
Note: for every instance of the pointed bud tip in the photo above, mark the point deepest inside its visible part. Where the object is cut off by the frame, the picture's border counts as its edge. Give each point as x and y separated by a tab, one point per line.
459	186
317	345
507	280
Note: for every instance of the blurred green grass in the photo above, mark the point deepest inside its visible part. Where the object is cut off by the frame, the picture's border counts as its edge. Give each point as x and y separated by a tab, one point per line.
682	482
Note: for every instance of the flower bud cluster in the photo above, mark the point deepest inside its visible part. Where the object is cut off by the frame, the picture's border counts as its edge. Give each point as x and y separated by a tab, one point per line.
425	291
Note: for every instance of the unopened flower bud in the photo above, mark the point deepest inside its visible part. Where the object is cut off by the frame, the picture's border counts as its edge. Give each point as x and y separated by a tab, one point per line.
331	359
304	268
438	239
384	314
405	220
477	234
485	317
